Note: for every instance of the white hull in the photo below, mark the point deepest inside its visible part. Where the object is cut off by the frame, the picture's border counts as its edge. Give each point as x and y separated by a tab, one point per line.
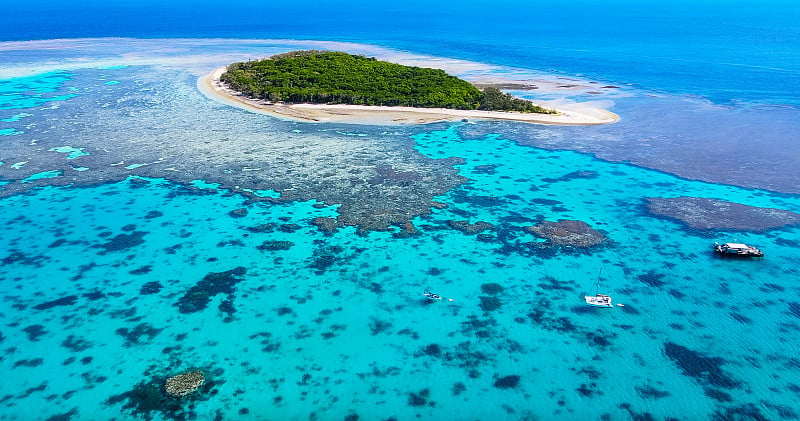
599	300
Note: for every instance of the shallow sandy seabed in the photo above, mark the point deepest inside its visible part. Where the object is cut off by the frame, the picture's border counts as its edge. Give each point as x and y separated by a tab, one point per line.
574	115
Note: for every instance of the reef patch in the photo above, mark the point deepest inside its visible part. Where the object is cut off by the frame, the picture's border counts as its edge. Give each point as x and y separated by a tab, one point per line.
150	399
711	214
63	301
567	233
704	369
507	382
467	228
198	296
123	242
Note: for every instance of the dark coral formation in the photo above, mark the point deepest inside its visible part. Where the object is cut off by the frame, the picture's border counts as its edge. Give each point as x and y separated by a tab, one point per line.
794	309
63	301
420	398
263	228
467	228
490	303
407	230
21	258
706	370
150	288
325	257
275	245
570	233
76	344
289	228
507	382
711	214
326	225
139	335
238	213
149	399
35	362
653	279
492	288
142	270
198	296
34	332
580	174
123	241
650	392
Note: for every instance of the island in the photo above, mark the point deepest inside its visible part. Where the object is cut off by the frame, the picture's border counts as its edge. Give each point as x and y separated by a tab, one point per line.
329	86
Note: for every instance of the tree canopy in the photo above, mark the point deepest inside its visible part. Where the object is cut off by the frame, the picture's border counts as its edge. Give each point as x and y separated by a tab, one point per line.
340	78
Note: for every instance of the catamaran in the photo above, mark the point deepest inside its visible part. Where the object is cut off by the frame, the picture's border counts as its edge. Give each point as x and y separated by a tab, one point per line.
598	300
431	296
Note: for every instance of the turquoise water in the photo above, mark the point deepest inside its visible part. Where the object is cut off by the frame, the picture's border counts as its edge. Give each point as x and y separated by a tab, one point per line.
336	325
132	191
28	92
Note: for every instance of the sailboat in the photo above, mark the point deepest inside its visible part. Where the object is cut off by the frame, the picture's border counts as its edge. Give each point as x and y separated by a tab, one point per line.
434	297
431	296
598	300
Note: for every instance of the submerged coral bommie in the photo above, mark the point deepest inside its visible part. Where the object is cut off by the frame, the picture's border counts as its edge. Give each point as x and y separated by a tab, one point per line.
568	233
184	384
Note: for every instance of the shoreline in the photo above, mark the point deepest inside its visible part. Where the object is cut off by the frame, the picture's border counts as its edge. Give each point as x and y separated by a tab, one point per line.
213	88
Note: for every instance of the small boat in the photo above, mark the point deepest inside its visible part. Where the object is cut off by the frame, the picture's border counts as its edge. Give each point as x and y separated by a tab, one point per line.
598	300
737	250
431	296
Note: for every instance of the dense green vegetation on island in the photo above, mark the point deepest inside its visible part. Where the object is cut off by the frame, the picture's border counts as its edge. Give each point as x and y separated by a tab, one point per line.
341	78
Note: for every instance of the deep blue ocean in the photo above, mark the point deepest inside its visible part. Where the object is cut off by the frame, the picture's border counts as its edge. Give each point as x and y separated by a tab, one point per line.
723	50
150	230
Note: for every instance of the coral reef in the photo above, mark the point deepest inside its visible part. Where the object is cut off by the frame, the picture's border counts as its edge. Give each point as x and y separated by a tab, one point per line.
63	301
184	384
567	232
122	242
326	225
165	397
198	296
137	335
467	228
507	382
706	370
275	245
710	214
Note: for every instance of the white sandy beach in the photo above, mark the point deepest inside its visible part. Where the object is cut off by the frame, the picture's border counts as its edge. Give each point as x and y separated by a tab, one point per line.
211	86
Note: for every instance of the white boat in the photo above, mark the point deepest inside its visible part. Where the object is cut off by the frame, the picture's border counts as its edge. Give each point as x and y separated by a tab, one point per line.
737	250
598	300
434	297
431	296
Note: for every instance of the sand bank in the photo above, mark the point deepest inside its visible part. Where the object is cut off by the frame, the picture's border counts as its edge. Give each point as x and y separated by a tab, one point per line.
379	115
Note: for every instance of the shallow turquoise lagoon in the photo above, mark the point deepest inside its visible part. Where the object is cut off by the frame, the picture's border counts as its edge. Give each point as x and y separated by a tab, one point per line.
32	91
114	284
332	326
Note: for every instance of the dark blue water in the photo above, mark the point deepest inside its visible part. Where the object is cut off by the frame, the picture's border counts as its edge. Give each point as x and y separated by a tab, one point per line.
725	51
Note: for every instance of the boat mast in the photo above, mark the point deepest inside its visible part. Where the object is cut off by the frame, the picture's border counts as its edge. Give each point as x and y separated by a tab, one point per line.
597	290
